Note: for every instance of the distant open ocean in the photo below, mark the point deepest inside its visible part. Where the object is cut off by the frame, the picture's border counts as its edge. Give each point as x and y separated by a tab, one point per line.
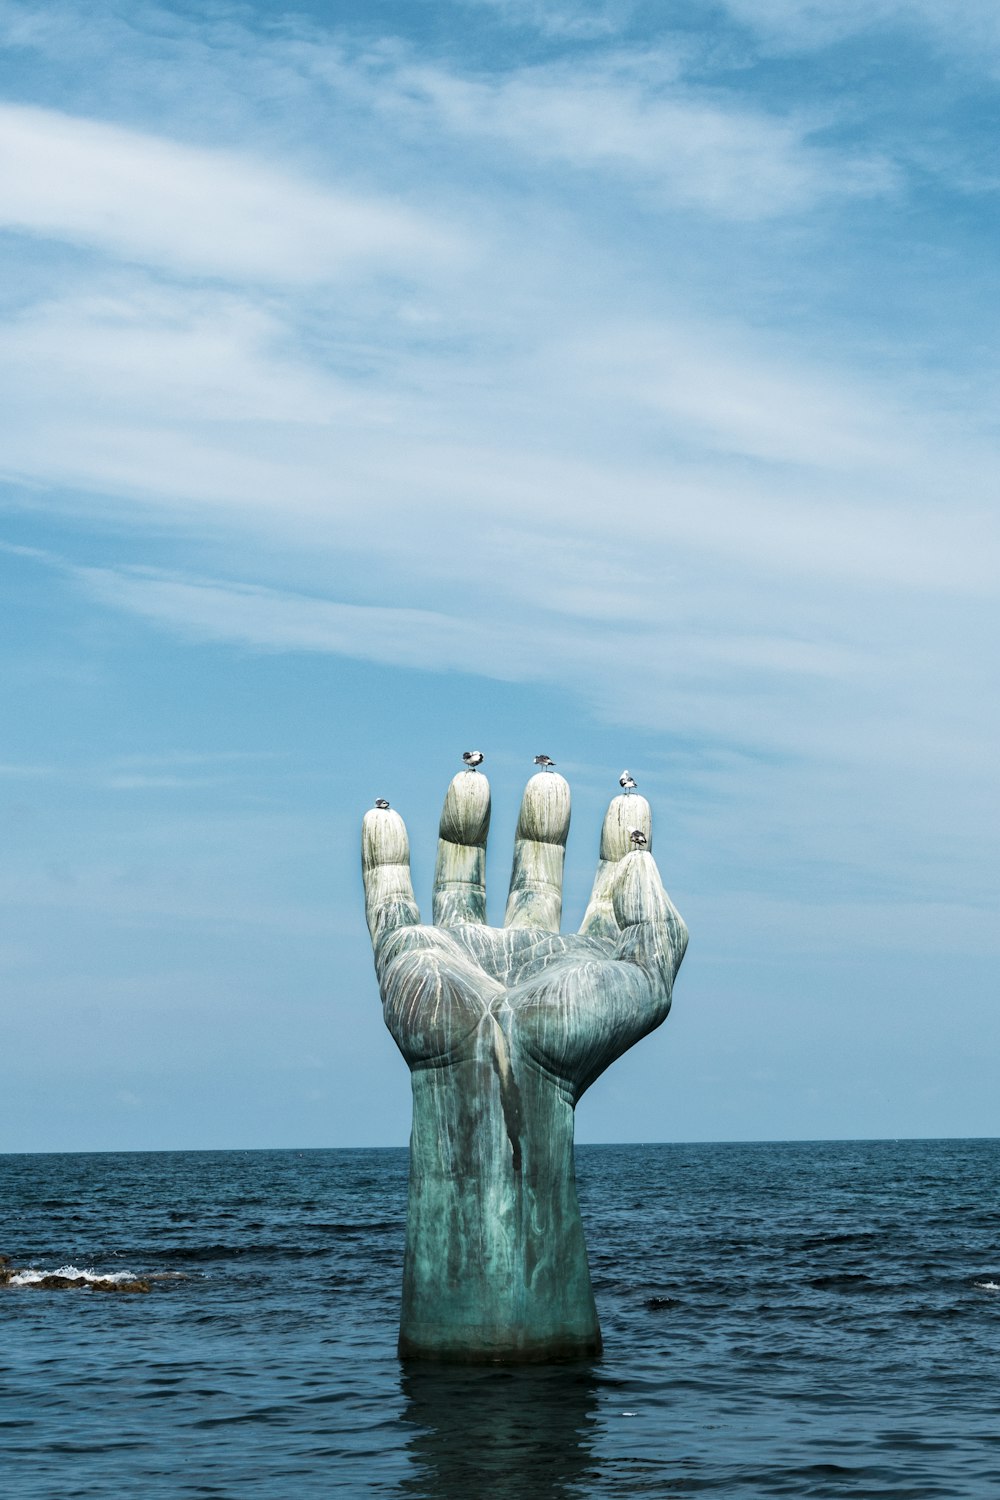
795	1319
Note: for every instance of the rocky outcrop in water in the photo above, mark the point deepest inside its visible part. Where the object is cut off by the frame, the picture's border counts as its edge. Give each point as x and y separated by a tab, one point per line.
57	1281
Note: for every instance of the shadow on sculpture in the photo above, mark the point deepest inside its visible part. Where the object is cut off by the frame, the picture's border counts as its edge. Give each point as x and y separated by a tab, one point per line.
499	1432
503	1029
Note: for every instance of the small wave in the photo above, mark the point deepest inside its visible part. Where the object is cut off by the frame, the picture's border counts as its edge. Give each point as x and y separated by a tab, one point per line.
987	1286
252	1250
844	1281
31	1277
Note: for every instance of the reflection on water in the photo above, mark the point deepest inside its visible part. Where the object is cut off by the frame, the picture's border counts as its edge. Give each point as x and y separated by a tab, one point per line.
501	1432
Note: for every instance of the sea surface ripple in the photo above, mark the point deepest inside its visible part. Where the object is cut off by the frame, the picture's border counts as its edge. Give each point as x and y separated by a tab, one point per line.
804	1319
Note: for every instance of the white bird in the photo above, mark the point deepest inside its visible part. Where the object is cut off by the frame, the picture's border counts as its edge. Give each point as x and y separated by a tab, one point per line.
638	838
627	780
473	758
544	760
381	802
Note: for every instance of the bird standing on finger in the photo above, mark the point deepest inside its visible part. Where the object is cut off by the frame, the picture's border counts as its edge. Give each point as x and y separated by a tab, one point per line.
627	782
473	759
381	803
544	761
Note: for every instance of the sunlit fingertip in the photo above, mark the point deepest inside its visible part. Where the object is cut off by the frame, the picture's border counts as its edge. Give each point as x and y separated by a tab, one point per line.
624	816
545	809
465	817
384	839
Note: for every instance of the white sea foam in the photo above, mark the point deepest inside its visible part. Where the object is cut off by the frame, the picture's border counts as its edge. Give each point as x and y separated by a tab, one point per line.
987	1286
31	1277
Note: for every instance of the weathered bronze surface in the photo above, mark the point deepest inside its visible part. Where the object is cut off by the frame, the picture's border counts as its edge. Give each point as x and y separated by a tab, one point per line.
503	1030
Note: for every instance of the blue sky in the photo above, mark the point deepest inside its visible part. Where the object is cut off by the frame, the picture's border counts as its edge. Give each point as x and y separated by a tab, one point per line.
613	380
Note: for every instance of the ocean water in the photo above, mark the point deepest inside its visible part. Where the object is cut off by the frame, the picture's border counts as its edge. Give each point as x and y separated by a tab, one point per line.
807	1319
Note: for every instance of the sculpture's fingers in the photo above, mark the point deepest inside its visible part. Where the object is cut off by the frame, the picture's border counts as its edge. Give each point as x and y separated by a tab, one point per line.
535	898
653	934
460	873
624	815
385	866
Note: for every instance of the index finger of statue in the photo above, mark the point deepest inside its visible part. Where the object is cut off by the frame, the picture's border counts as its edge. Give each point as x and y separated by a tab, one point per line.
535	898
624	815
460	872
385	867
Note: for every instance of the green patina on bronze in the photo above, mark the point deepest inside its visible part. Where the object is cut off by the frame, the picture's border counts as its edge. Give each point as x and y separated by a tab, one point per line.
503	1029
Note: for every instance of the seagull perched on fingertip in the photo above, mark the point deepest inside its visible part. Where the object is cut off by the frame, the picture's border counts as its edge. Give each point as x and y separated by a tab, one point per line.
381	804
639	839
627	781
473	759
545	761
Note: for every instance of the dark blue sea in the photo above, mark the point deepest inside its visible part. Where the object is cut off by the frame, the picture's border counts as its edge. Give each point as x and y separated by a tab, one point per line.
797	1319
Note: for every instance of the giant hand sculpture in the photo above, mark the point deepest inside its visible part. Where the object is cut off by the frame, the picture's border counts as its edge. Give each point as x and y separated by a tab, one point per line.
503	1030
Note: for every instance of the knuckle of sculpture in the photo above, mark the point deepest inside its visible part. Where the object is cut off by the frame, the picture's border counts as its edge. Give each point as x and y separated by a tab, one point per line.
540	865
396	941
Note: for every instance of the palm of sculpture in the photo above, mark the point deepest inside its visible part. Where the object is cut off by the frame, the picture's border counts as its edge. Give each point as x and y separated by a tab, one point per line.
503	1029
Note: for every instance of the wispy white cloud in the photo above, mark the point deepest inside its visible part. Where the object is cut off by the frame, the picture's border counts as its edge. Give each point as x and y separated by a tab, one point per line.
734	394
271	620
618	116
496	642
632	116
970	26
124	344
194	210
572	22
171	405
